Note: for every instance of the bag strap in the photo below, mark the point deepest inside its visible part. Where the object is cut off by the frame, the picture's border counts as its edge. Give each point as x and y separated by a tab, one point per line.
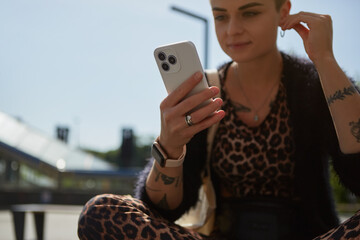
213	78
201	217
212	75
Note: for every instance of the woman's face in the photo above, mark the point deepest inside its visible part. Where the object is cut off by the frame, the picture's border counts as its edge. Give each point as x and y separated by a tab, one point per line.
246	29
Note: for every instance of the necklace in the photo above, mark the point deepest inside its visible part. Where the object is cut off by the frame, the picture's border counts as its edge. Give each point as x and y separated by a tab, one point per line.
256	111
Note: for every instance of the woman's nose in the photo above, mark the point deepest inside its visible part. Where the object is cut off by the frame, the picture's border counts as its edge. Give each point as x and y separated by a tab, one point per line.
235	26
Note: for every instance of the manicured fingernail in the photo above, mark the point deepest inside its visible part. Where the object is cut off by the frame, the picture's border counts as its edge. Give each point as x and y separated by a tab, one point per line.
214	90
198	75
221	113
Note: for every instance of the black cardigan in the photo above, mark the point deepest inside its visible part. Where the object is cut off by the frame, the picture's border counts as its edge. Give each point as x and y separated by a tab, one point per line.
315	144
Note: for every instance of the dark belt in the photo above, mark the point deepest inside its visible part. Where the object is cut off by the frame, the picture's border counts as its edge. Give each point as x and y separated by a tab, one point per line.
256	219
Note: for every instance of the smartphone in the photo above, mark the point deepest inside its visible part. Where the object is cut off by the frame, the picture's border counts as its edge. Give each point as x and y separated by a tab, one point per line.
176	63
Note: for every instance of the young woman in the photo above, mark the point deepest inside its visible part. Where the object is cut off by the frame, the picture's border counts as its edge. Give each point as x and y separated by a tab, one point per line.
260	164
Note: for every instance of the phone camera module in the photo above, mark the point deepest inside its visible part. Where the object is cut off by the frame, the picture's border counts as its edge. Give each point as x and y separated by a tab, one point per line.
165	66
172	59
162	56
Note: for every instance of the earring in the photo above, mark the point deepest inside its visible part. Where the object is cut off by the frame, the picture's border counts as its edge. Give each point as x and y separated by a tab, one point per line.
282	33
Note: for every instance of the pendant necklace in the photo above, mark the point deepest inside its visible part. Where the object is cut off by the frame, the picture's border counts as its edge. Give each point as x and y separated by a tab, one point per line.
256	111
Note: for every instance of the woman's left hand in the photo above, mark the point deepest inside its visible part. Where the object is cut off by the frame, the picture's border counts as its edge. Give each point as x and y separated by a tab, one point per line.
316	32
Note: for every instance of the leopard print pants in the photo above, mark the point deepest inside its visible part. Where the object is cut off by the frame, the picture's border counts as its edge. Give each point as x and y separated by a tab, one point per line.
114	217
350	229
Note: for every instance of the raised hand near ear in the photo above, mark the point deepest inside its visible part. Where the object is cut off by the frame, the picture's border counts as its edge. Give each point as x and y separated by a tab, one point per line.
316	32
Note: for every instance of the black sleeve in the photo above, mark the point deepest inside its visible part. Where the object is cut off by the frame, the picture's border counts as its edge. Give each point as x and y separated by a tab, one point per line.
194	163
314	122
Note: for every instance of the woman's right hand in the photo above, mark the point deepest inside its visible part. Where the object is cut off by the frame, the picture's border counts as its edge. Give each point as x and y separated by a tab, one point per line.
175	133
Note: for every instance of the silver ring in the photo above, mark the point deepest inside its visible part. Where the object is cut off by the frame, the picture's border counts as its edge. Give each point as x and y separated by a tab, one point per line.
188	120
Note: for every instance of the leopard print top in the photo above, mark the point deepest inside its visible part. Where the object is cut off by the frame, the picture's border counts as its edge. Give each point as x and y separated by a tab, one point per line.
254	161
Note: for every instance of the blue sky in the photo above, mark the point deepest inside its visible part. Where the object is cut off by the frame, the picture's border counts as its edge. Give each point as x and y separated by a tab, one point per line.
88	64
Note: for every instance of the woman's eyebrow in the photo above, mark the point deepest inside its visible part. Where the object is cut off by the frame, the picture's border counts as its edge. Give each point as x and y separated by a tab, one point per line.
248	5
219	9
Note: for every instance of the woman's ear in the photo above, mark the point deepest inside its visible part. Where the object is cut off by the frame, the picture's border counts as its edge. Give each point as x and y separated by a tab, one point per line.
285	10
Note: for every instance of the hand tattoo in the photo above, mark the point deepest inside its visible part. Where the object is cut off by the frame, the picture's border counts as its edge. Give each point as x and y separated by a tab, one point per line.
355	130
341	94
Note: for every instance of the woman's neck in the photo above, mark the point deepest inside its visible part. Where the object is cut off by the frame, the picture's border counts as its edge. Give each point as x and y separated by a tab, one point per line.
260	71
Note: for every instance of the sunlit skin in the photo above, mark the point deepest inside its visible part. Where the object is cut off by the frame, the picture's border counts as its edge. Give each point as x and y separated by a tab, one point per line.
247	32
247	29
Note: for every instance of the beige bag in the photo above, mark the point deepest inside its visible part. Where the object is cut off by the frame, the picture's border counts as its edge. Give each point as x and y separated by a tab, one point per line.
201	217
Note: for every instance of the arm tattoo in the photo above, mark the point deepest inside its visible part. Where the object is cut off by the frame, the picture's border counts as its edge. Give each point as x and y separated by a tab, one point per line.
355	130
341	94
163	203
167	180
239	107
177	181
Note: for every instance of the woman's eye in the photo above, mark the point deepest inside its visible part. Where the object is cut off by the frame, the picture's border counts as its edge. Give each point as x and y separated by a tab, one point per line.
219	17
250	13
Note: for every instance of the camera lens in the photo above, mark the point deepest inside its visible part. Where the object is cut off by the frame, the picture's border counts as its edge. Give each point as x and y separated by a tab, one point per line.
165	66
172	59
161	56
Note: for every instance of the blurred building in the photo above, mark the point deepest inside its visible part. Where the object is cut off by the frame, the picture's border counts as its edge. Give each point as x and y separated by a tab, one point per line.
36	168
127	148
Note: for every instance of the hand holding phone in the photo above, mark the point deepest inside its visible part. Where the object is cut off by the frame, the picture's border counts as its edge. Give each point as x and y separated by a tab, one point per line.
176	63
188	96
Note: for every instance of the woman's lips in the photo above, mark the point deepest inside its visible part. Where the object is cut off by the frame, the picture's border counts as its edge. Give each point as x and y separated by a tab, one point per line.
238	45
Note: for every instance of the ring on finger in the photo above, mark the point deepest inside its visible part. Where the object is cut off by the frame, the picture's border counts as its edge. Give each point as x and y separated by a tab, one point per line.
188	120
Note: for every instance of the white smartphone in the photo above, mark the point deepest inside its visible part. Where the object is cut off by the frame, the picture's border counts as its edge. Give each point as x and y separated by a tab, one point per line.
176	63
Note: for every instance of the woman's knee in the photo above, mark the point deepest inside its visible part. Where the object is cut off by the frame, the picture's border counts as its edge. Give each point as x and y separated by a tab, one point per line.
99	212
